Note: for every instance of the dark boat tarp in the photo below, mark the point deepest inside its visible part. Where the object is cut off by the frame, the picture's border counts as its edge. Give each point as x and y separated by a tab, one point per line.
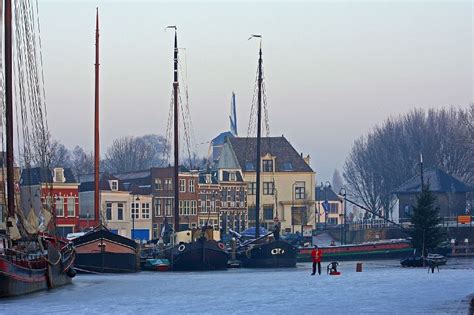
250	232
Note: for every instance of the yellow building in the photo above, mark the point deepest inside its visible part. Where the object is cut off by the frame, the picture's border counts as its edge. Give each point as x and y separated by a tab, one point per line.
287	182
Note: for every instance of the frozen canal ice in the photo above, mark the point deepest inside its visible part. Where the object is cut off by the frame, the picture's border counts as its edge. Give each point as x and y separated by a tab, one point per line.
382	288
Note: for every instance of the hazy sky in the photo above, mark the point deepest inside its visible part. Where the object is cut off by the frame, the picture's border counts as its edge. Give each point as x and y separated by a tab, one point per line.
333	69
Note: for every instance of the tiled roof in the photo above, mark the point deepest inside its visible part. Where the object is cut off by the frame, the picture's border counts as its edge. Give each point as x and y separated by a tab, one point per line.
287	158
323	193
220	139
39	175
438	180
103	184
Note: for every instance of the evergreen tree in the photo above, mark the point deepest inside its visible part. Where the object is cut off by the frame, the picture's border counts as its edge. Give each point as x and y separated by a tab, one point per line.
426	234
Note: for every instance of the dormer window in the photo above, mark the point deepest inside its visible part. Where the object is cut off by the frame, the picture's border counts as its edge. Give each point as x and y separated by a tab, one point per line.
208	178
232	177
59	175
268	166
114	185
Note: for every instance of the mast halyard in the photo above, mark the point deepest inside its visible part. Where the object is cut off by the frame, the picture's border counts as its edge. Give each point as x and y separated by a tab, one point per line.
176	134
96	124
9	112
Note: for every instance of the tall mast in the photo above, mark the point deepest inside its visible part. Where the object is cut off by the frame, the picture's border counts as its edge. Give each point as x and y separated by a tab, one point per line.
96	122
259	131
9	109
421	171
176	135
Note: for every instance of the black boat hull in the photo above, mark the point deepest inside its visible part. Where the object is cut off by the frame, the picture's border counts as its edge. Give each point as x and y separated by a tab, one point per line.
105	252
199	255
275	254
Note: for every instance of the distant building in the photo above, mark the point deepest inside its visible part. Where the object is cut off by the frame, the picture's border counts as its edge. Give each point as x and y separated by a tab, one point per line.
335	212
209	199
287	181
55	189
233	209
450	194
163	198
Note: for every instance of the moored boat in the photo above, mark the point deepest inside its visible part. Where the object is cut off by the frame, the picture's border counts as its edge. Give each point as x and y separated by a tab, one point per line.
389	249
105	252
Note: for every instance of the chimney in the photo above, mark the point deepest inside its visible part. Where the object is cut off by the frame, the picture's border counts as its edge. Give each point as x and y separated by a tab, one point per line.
307	159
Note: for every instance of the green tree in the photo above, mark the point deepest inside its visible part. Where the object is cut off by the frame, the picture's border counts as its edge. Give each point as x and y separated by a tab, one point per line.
426	233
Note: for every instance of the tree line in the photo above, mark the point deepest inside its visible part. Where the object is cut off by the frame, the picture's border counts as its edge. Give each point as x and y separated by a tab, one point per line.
125	154
389	154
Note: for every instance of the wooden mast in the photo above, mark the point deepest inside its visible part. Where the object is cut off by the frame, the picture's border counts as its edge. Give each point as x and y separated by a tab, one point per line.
259	134
96	124
9	111
176	135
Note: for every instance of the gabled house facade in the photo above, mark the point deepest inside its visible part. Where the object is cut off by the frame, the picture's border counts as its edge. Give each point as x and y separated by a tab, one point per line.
233	210
56	190
332	212
209	199
287	181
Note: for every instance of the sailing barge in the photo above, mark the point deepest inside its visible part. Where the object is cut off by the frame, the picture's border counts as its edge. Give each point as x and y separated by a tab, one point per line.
196	249
30	258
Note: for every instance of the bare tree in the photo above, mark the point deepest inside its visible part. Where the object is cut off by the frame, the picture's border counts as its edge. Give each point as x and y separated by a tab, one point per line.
381	161
82	162
134	153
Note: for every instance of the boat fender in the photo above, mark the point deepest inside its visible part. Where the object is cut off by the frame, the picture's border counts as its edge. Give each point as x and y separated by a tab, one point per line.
71	272
181	247
221	246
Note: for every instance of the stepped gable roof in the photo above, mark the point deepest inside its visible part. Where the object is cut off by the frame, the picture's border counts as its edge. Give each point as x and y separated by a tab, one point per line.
323	193
220	139
42	175
287	158
438	180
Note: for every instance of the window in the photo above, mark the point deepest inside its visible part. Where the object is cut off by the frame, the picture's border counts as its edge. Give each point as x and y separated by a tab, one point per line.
114	185
145	210
135	210
120	211
71	206
108	211
333	208
268	166
252	213
203	205
158	185
297	215
60	206
252	188
232	177
193	207
208	179
168	184
213	206
155	231
191	185
168	206
332	221
157	207
182	185
268	212
268	188
184	207
300	190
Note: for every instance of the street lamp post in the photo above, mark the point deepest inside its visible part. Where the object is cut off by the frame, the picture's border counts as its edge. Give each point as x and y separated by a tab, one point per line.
135	198
327	185
343	193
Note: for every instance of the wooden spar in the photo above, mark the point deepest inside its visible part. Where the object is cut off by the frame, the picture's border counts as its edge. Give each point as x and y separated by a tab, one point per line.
9	109
96	123
259	135
176	135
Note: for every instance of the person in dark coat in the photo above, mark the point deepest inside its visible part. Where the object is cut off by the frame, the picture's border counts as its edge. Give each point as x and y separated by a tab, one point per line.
276	231
316	254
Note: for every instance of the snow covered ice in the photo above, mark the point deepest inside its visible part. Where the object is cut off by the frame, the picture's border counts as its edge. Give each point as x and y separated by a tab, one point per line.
382	288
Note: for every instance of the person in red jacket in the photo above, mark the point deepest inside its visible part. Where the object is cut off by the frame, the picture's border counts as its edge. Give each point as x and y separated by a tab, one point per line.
316	254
